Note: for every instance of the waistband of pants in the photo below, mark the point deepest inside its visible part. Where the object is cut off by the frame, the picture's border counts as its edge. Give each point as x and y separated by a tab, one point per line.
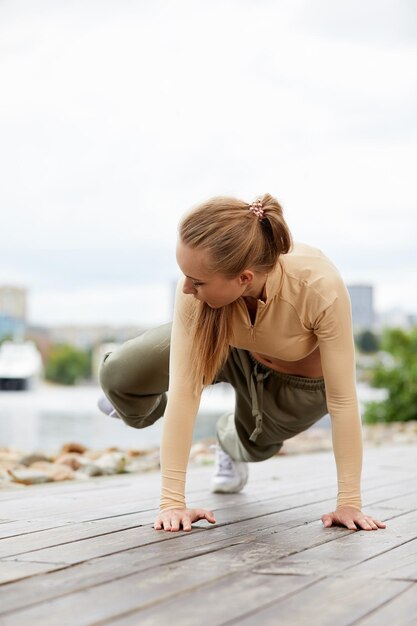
300	382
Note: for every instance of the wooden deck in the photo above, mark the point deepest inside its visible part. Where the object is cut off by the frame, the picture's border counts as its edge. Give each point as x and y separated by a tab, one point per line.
86	553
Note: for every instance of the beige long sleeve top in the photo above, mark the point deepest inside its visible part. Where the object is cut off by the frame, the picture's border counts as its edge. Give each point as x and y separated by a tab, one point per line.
307	304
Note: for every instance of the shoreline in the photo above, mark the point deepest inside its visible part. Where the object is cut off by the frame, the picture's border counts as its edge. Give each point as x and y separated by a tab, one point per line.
76	462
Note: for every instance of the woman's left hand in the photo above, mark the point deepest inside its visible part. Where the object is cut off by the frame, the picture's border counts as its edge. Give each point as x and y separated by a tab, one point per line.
351	518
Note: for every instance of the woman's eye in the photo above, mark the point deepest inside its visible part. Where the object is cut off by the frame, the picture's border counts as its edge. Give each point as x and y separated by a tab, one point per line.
197	284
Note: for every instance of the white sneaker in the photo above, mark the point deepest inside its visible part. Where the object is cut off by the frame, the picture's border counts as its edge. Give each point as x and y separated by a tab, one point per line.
106	407
230	476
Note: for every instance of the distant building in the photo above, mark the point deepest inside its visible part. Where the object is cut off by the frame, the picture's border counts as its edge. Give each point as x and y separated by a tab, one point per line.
396	318
13	311
412	319
85	337
362	298
40	337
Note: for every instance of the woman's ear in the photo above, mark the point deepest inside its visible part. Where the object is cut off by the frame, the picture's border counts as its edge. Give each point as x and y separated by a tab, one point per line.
246	277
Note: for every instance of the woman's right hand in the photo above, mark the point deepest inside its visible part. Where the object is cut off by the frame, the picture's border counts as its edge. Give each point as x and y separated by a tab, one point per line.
172	519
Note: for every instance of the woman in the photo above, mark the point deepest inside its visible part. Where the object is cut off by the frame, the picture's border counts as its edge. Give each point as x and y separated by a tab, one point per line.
271	318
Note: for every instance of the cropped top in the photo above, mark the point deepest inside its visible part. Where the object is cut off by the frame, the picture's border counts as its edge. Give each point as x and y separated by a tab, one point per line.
306	305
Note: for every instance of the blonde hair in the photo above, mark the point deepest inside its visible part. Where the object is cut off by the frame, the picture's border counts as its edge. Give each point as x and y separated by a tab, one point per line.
236	239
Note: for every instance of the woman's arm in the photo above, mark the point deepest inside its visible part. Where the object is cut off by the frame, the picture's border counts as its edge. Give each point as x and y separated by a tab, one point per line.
333	328
178	424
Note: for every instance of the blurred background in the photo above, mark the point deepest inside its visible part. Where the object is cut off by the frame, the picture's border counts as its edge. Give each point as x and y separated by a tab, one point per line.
116	117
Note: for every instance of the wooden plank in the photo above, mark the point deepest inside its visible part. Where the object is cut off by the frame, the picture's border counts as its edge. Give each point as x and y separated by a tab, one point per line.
144	486
221	504
19	528
242	598
155	585
352	549
84	486
141	536
67	508
328	602
149	553
30	591
400	611
52	537
93	545
66	533
229	513
13	570
188	546
399	563
292	518
113	598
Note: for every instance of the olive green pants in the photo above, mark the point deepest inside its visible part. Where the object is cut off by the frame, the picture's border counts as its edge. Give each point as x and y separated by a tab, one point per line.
270	406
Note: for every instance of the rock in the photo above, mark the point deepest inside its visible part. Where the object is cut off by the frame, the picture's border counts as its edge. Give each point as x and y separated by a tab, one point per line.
144	464
92	454
10	456
29	477
132	452
63	472
89	469
73	447
29	459
72	460
112	463
56	471
5	465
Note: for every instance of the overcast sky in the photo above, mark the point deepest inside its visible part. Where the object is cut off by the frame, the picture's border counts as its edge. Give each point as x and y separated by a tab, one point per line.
117	116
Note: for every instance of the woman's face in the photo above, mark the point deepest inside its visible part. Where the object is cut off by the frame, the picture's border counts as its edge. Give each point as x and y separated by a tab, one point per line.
214	289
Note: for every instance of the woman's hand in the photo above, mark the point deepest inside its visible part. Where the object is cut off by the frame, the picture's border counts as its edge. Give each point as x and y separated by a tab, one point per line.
351	518
173	519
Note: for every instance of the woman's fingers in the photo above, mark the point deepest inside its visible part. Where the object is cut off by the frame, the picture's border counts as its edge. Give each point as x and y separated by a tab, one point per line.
203	514
380	524
175	524
369	523
327	520
186	524
352	519
174	520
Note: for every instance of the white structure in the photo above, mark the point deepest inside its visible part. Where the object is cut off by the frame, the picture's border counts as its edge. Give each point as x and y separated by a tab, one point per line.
362	298
20	365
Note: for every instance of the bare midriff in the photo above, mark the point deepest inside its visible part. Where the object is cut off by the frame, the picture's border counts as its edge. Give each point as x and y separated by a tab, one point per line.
309	367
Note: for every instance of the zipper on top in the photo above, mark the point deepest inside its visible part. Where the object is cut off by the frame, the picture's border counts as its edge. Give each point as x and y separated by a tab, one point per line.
252	325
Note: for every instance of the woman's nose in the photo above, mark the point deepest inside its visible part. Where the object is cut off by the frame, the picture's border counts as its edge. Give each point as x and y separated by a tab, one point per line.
188	286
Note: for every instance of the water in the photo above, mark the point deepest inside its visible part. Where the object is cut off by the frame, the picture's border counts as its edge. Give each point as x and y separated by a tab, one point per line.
45	418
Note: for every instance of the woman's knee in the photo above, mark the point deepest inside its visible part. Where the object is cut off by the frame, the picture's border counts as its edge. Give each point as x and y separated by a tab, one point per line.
148	412
140	365
110	374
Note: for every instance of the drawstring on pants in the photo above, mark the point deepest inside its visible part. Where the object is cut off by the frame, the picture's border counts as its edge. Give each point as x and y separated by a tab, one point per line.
257	397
